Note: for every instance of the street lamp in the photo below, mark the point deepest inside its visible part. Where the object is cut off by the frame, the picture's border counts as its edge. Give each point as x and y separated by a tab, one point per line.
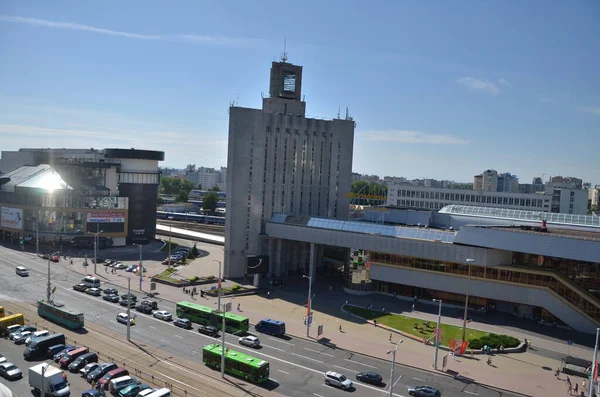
98	231
141	268
37	235
170	226
128	306
48	291
464	329
438	333
594	359
393	352
308	303
223	312
219	285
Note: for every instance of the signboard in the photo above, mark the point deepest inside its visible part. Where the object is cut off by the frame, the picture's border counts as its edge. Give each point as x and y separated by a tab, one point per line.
105	217
12	218
320	330
257	264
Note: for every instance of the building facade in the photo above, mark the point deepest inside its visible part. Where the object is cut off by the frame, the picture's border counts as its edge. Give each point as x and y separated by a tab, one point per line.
67	194
279	161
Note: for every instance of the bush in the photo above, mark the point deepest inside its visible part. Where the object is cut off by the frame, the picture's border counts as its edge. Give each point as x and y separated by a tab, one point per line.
195	278
494	341
236	287
210	277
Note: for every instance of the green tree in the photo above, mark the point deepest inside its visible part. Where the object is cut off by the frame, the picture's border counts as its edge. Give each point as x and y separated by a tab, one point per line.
169	185
186	186
357	186
199	186
209	202
194	252
215	189
160	200
182	197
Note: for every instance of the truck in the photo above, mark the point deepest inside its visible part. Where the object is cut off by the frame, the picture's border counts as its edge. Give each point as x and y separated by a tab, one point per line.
39	347
7	321
48	380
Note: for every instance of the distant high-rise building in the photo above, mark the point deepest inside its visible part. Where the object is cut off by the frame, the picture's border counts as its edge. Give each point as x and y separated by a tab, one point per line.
486	181
538	184
567	181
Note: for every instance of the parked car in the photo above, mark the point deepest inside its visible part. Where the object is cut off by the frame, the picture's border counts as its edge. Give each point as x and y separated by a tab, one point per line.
99	372
338	380
82	361
120	266
36	334
111	291
111	298
22	328
183	323
108	262
209	330
93	291
10	371
61	353
22	337
149	302
80	287
163	315
251	341
93	393
129	296
144	309
127	302
55	258
88	368
370	377
423	391
52	350
2	359
132	390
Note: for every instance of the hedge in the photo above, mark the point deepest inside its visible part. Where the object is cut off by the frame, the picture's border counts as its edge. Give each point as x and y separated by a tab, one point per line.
236	287
494	341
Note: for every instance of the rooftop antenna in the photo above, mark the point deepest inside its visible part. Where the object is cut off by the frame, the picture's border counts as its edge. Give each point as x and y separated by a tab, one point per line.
284	57
338	115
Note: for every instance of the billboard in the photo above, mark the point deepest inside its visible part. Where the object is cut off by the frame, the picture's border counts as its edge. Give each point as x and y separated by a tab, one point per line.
257	264
105	217
12	218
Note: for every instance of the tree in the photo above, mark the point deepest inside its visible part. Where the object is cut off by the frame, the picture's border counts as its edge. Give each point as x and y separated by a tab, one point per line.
209	202
215	189
194	251
172	186
199	186
182	197
160	200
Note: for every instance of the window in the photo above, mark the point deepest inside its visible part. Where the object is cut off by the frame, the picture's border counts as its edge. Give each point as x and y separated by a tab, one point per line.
289	82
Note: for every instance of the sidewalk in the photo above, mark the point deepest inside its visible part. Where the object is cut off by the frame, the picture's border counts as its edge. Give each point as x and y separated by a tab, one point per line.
527	373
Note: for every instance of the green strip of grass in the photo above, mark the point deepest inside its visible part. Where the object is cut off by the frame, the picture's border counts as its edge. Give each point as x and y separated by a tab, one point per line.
415	326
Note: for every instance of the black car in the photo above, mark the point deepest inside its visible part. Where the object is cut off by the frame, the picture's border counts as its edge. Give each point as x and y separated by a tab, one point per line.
144	309
129	296
92	393
152	303
127	302
100	371
80	287
82	361
208	330
52	350
369	377
111	291
423	391
183	323
111	298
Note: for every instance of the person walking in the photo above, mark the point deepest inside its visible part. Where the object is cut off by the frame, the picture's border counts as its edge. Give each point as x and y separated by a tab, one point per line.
340	328
269	295
390	337
238	307
576	388
583	385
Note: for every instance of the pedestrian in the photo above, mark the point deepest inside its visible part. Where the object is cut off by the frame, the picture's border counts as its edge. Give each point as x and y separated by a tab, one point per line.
570	388
105	269
375	323
390	337
340	328
583	385
557	372
489	360
238	307
268	294
413	307
71	261
576	388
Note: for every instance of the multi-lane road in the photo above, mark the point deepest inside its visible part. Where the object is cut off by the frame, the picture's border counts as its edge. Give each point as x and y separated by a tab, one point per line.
296	365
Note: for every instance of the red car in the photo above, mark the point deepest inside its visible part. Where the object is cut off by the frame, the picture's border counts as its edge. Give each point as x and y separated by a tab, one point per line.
55	258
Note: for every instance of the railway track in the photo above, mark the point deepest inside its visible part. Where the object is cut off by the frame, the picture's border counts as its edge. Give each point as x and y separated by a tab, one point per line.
196	227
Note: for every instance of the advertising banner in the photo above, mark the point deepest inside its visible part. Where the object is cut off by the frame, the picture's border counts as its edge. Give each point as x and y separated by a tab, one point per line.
105	217
12	218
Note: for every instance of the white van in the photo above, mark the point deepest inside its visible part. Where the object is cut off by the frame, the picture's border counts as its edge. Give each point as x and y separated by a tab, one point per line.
118	384
36	334
145	392
91	281
22	271
164	392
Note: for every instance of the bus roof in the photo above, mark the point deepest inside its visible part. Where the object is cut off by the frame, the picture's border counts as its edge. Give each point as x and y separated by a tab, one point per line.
10	317
237	356
195	306
236	317
59	308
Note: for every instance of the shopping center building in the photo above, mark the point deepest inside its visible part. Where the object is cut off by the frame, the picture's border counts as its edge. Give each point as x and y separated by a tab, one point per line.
67	196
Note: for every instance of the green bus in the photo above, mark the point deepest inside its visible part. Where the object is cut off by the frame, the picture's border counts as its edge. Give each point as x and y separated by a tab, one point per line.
239	364
71	319
199	314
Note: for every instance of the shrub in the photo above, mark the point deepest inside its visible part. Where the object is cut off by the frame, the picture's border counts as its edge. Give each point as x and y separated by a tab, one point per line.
210	277
235	287
195	278
494	341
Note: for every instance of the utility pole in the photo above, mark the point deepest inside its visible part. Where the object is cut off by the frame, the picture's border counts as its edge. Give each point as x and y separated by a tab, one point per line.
594	360
219	285
308	302
141	267
129	308
393	351
49	290
223	349
464	328
98	231
437	334
170	226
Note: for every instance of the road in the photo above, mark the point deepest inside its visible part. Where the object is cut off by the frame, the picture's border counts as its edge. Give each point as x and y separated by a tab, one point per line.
297	365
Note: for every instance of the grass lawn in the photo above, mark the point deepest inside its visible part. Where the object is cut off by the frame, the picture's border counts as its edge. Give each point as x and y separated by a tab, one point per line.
415	326
166	247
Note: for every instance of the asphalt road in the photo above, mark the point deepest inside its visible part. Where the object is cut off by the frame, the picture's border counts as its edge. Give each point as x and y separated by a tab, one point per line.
297	365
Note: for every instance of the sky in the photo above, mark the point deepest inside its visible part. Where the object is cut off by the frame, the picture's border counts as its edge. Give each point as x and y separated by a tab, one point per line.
439	90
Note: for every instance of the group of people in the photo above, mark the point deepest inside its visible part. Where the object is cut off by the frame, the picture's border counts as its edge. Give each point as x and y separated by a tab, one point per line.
193	292
570	387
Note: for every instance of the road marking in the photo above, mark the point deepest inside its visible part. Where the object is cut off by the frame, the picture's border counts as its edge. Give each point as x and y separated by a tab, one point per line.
276	348
318	395
287	373
279	340
337	366
152	326
419	379
356	362
179	336
162	340
275	380
318	352
308	358
470	392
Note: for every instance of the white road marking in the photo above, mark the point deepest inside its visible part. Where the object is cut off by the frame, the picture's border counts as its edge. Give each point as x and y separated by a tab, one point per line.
279	340
287	373
162	340
419	379
470	392
152	326
308	358
356	362
327	354
337	366
276	348
318	395
179	336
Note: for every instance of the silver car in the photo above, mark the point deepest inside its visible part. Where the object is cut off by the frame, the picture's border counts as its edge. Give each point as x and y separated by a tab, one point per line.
163	315
10	371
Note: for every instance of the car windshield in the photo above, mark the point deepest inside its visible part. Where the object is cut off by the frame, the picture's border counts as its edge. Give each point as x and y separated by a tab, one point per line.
10	367
59	386
343	378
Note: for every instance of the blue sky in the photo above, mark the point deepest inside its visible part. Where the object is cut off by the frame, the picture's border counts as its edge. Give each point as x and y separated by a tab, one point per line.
440	90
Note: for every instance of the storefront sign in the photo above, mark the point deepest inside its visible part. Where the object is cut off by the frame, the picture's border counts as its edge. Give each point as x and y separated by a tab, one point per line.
105	217
139	232
12	218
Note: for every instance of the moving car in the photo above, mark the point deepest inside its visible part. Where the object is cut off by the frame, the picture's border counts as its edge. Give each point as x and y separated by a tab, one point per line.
144	308
372	378
251	341
209	330
129	296
10	371
152	303
111	291
423	391
81	287
22	271
93	291
88	368
338	380
163	315
111	298
55	258
120	266
183	323
108	262
123	318
127	302
131	268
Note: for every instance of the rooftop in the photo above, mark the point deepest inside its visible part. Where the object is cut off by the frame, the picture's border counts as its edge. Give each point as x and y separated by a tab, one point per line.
42	176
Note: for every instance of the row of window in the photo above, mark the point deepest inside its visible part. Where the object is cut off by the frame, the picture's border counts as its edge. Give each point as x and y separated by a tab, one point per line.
473	198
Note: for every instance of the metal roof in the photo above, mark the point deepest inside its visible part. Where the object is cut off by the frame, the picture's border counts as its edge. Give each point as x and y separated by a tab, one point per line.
521	215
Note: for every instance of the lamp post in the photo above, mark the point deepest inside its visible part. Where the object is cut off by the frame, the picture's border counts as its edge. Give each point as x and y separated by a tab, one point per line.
393	352
98	231
464	329
170	226
223	311
437	335
128	307
308	302
48	290
218	285
37	235
141	264
44	368
594	359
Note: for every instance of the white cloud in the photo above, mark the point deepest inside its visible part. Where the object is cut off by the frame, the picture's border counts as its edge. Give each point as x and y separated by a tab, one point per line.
413	137
505	83
479	85
594	110
546	99
193	39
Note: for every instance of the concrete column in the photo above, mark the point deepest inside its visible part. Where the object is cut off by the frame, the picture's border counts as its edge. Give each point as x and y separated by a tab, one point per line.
278	259
272	256
311	259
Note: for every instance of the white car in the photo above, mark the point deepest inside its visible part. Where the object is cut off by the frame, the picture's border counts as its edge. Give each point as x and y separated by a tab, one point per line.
121	266
2	359
22	271
123	318
22	337
163	315
36	334
251	341
338	380
93	291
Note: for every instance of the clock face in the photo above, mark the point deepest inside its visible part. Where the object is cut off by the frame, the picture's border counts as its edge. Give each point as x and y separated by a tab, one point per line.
289	82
